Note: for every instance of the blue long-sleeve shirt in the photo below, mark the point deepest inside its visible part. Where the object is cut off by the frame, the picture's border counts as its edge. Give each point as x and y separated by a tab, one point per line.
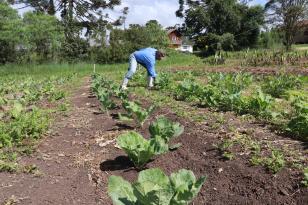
147	58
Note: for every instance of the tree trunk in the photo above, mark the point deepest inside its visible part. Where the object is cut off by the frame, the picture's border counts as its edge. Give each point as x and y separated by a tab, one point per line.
51	8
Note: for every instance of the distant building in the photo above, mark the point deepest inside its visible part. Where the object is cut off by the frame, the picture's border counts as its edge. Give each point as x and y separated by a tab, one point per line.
302	37
179	42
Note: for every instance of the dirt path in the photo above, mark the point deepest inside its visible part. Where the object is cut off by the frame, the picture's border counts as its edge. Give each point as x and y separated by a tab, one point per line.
62	159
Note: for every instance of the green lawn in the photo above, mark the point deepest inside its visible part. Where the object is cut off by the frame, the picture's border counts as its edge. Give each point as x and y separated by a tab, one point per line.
301	47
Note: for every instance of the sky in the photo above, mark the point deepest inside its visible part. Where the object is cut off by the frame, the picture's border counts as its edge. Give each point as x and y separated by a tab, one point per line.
141	11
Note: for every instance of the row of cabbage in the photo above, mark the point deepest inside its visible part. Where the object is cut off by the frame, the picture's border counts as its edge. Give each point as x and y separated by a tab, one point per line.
22	120
243	94
153	186
260	58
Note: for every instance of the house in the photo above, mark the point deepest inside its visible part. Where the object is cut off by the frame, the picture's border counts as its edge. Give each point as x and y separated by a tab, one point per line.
179	42
302	37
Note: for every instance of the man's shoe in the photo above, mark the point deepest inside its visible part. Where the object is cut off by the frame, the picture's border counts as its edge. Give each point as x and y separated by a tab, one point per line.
150	82
123	88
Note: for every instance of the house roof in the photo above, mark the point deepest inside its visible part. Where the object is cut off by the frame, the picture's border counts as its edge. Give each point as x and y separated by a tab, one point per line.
304	23
173	30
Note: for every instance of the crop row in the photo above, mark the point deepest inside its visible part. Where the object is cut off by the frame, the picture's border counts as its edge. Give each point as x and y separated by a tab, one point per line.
245	94
22	120
152	185
242	94
259	57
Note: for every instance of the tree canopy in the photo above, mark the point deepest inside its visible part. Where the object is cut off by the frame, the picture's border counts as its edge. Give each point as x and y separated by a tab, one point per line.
10	32
287	14
215	22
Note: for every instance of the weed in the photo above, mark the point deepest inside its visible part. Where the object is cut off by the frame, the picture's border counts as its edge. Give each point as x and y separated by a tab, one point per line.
8	166
276	162
305	180
224	148
256	160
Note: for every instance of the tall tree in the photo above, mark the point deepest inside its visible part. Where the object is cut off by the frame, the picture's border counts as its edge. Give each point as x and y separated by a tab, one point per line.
43	36
213	23
287	14
10	33
86	13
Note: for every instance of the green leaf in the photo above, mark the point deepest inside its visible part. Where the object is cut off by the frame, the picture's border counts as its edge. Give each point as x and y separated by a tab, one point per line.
125	117
153	188
137	148
121	191
16	110
165	128
159	145
186	186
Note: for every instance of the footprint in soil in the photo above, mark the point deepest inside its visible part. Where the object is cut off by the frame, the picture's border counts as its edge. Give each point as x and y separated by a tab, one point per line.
119	163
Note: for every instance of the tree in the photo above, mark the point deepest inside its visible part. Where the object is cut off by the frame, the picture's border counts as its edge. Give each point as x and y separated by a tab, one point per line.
10	33
76	15
287	14
44	35
124	42
221	22
86	13
156	36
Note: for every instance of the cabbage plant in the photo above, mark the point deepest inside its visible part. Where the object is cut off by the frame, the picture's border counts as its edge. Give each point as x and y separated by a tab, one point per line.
138	149
164	129
135	111
154	187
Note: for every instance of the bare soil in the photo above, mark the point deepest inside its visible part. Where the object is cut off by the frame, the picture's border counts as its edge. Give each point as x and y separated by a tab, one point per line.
79	154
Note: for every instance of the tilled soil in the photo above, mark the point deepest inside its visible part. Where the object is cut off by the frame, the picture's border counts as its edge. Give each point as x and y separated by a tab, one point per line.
79	155
228	182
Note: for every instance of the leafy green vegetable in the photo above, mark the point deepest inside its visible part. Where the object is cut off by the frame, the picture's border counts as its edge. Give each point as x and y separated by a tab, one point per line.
138	149
105	99
121	191
186	186
135	111
260	104
153	187
277	86
162	81
159	145
164	129
299	122
16	110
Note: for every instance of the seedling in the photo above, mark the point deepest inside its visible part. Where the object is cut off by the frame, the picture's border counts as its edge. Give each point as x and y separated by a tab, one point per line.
276	162
135	111
166	130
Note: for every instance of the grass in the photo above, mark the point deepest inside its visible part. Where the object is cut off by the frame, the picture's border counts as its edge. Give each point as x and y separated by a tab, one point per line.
301	47
37	71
